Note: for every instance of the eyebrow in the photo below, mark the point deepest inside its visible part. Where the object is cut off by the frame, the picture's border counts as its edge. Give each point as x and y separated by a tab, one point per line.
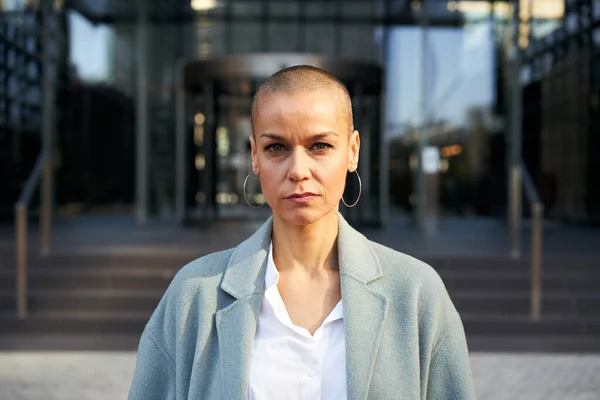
313	137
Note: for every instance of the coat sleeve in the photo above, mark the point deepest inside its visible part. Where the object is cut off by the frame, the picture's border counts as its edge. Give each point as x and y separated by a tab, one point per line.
154	377
450	375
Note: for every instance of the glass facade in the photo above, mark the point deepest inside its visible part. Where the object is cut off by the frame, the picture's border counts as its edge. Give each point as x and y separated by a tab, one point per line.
561	78
453	88
461	92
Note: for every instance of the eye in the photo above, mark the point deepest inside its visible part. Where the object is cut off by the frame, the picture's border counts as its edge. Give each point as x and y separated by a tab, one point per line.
322	146
275	147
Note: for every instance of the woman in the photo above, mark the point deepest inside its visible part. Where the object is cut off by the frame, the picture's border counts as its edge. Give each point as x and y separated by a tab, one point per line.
306	308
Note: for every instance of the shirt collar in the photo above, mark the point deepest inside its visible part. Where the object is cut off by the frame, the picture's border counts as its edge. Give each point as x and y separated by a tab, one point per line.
271	274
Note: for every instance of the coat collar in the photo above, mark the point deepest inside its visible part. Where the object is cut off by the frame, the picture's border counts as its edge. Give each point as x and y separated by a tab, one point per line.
246	270
365	310
245	274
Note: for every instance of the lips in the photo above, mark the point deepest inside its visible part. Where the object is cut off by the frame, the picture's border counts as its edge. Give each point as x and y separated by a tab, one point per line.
301	197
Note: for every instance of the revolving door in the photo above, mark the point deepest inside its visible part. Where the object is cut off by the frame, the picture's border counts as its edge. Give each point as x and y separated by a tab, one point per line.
213	129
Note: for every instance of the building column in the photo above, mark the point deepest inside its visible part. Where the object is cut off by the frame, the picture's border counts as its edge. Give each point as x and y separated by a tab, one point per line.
420	178
50	54
180	142
515	136
142	127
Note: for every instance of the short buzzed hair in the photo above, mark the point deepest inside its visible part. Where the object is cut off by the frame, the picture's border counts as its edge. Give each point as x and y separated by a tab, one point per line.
304	78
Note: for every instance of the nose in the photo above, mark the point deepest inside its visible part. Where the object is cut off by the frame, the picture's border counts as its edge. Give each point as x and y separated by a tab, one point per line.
299	169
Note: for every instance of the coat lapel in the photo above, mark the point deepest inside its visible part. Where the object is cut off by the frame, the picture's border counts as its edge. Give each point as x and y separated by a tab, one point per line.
365	310
236	327
236	324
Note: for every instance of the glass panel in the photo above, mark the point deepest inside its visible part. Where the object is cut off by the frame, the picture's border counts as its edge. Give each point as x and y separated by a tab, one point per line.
283	8
246	37
357	9
217	38
596	37
283	37
379	8
436	10
572	23
320	8
366	114
90	46
246	8
456	103
320	39
357	42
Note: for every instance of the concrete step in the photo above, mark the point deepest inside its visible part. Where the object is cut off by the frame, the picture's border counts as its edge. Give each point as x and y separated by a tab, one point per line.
477	324
518	303
554	262
171	258
125	276
115	294
161	260
69	342
129	342
127	322
62	322
105	278
80	300
519	281
534	344
111	299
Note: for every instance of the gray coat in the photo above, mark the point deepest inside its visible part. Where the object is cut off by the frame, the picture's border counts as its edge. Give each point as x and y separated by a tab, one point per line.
404	338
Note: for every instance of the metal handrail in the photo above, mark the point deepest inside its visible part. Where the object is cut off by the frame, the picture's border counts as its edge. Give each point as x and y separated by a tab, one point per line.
522	180
21	225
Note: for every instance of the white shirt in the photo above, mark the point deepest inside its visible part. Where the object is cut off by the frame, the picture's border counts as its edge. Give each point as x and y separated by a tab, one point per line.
290	364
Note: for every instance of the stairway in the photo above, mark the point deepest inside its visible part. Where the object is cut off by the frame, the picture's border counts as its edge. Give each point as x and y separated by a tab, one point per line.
492	296
88	294
85	294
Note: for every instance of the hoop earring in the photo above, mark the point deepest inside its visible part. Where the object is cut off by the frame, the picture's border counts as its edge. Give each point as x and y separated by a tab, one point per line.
359	192
245	198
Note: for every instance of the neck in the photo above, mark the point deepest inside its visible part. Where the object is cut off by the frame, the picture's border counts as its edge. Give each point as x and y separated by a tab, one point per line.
309	247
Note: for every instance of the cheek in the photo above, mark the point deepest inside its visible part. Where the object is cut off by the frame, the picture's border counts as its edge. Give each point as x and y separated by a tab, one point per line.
270	181
334	179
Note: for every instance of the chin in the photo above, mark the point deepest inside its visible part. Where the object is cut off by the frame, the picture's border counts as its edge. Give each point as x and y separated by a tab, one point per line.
303	217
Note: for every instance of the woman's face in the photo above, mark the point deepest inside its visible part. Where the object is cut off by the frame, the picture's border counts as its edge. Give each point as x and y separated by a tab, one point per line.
302	150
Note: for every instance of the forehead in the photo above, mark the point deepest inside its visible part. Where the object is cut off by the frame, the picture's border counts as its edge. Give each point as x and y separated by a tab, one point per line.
320	103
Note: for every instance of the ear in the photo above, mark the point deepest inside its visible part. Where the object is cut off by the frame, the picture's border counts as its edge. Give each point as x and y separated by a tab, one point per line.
353	151
254	153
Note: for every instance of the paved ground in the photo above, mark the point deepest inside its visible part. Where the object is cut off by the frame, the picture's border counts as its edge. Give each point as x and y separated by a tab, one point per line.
106	376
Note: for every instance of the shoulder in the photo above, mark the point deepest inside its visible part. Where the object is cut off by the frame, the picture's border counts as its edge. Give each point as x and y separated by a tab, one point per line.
412	284
403	269
193	281
210	265
192	289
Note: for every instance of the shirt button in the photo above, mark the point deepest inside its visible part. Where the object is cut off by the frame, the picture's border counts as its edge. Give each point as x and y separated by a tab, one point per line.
312	373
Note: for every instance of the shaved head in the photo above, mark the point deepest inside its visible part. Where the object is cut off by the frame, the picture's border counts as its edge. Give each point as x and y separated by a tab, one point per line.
305	79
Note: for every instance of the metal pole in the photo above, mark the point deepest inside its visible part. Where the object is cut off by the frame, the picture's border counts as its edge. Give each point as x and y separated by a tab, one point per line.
422	140
384	170
142	131
515	211
516	134
210	155
356	213
536	260
180	143
21	277
49	87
